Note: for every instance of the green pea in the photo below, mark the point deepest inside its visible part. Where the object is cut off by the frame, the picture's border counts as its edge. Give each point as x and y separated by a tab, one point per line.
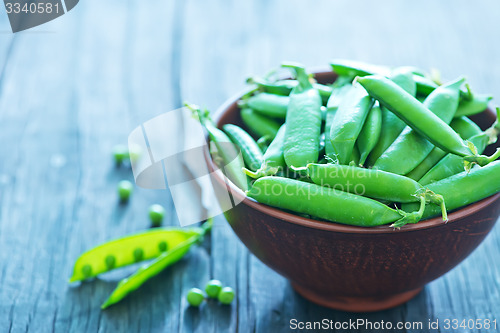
226	295
120	153
195	297
138	254
125	189
156	215
87	271
110	261
162	246
213	288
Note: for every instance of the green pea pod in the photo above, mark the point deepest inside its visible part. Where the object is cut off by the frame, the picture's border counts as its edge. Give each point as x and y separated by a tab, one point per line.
465	127
424	86
348	122
252	155
391	124
226	149
421	119
410	148
274	160
476	105
355	156
128	250
149	270
464	188
270	105
325	203
340	89
303	122
284	87
453	164
375	184
258	124
370	134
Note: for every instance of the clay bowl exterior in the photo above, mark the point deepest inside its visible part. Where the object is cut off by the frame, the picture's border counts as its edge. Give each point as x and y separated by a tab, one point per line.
351	268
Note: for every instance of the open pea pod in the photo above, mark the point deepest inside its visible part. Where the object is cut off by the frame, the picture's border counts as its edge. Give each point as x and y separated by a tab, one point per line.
128	250
153	268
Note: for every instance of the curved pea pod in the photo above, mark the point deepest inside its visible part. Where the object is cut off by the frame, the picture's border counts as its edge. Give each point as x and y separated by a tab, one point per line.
227	151
465	127
348	122
476	105
252	155
149	270
391	124
421	119
375	184
303	122
464	188
285	87
411	148
325	203
258	124
453	164
270	105
128	250
424	86
274	160
370	133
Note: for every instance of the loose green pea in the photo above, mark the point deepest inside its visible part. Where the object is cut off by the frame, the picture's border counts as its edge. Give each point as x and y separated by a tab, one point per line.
226	295
110	261
213	288
195	297
125	189
156	214
120	153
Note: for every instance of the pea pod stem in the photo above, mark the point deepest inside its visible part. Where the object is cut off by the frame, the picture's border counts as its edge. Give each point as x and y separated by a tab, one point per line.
143	274
413	217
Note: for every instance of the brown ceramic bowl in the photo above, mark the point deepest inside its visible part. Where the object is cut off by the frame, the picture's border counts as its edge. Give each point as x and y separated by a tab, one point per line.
355	268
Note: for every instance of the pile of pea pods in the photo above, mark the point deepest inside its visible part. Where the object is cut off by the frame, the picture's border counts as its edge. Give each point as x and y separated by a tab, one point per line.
379	146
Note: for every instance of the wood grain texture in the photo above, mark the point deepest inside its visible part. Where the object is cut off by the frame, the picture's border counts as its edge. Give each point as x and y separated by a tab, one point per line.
73	88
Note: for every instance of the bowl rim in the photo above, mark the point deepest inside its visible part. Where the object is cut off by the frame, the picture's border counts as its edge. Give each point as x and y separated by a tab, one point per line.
328	225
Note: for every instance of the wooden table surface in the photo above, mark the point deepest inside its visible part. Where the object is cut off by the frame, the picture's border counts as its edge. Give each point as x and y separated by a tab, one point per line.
73	88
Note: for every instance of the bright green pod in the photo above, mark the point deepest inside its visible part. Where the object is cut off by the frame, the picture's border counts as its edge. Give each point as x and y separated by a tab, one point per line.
453	164
324	202
464	188
476	105
303	122
226	149
391	124
285	87
465	127
259	125
410	148
273	159
153	268
250	150
348	122
370	133
417	116
340	89
120	252
270	105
